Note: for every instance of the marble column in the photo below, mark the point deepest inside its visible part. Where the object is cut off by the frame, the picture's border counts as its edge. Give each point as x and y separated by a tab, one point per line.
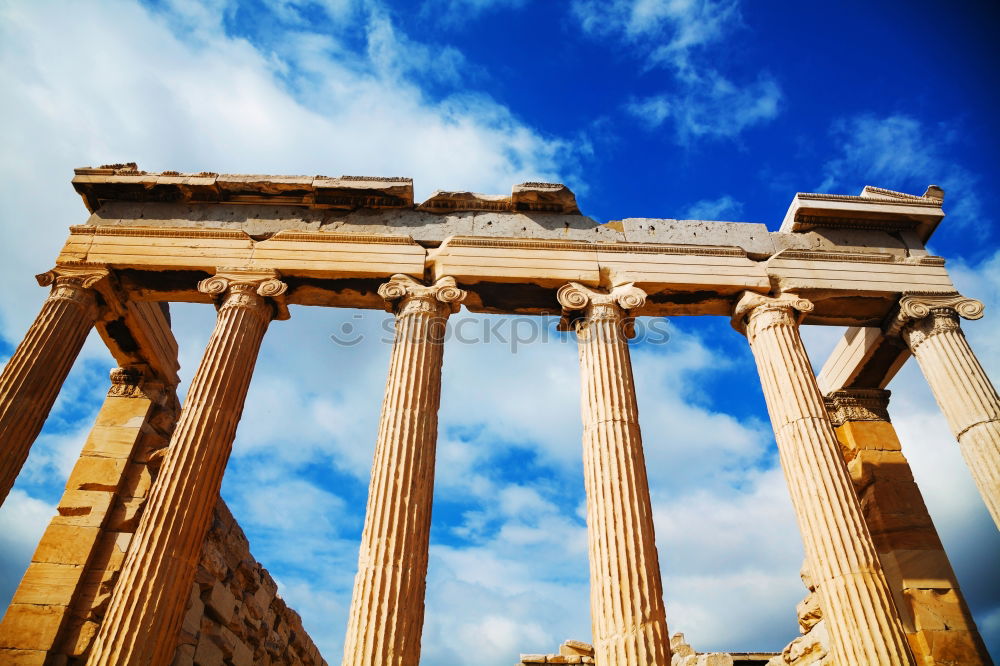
932	608
33	376
626	595
929	324
864	626
149	598
387	607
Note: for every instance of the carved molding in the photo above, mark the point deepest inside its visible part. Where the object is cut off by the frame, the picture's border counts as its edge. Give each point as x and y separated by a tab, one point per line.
859	257
858	405
405	295
590	246
854	257
787	309
928	202
227	234
159	232
334	237
653	248
806	222
923	314
892	194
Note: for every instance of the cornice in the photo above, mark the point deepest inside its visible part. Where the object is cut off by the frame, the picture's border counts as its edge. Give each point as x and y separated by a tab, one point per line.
126	182
896	199
859	257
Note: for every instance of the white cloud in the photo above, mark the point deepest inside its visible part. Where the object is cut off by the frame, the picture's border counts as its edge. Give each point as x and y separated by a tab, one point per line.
458	12
702	103
216	102
901	152
673	28
722	208
710	106
509	572
22	521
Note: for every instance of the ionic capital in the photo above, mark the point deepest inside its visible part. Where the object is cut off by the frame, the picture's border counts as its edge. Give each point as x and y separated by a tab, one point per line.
921	315
75	284
582	304
754	312
404	295
260	291
857	405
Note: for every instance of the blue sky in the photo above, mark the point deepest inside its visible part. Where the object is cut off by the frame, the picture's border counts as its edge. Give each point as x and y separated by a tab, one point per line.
646	108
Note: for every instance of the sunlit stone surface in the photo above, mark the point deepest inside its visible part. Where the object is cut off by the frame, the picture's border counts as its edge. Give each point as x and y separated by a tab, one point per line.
144	564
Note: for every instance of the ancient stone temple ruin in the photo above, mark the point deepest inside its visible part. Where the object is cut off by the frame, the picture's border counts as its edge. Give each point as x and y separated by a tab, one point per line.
143	564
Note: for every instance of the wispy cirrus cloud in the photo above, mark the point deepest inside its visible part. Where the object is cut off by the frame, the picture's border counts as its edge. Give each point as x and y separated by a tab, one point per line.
667	33
709	105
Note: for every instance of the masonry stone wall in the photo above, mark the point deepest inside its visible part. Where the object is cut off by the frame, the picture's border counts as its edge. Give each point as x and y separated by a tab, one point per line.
235	615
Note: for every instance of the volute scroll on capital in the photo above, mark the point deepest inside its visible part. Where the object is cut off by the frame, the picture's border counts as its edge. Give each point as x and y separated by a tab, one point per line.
247	288
581	303
944	308
74	283
784	308
404	293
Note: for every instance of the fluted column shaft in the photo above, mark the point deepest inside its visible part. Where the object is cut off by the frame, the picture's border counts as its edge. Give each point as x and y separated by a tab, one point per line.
626	594
864	625
387	607
148	601
965	394
33	376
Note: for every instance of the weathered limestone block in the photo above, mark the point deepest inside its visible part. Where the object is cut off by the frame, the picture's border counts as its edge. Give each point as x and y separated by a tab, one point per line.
809	612
570	652
679	647
220	602
184	655
684	655
543	198
576	648
208	652
811	648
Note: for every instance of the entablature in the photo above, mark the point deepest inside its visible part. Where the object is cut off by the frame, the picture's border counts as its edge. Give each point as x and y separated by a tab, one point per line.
160	233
